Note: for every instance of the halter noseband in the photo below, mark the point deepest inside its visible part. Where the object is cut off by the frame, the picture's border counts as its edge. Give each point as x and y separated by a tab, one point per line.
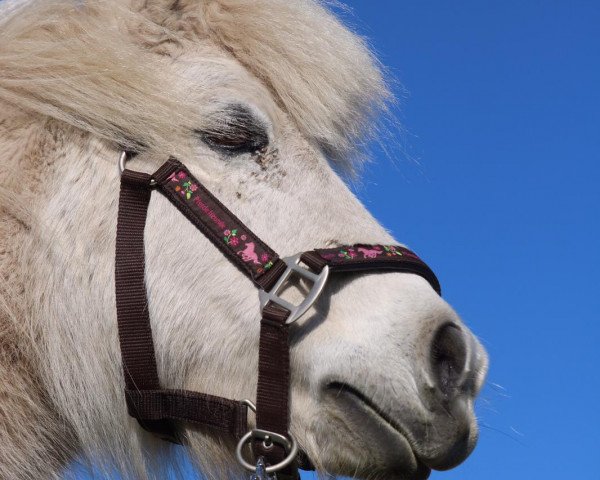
158	409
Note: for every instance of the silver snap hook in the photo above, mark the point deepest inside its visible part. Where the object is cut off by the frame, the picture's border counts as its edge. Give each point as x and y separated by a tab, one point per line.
261	471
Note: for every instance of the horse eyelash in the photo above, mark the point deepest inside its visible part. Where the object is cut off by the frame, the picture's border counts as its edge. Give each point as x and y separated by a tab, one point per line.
238	131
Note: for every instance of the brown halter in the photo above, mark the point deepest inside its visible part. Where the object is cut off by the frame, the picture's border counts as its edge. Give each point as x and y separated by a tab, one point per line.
158	409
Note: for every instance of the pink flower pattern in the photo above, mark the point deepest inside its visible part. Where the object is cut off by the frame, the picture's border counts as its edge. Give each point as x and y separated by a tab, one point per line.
392	250
347	253
187	188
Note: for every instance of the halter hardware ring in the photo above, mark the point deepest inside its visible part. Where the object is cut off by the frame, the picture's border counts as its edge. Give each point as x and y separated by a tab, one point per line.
289	444
123	160
249	404
293	267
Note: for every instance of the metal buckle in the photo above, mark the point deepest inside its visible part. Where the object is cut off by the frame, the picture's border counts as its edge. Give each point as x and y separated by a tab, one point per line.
269	439
293	266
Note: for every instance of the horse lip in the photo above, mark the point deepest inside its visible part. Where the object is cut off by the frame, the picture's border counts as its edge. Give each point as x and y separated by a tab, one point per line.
341	387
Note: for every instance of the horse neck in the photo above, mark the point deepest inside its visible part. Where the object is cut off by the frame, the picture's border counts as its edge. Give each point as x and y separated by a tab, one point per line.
34	443
48	414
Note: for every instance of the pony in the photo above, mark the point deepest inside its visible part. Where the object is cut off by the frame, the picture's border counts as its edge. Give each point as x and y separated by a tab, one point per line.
268	102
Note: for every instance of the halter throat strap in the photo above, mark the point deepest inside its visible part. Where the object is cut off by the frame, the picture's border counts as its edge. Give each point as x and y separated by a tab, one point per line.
160	410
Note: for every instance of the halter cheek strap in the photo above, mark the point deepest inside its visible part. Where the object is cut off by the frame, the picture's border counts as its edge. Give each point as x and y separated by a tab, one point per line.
159	410
154	407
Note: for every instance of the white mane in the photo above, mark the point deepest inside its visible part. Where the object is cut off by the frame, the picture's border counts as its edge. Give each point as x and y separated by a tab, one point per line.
91	64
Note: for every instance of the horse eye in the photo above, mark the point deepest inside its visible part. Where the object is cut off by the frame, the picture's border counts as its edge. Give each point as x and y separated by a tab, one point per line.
237	132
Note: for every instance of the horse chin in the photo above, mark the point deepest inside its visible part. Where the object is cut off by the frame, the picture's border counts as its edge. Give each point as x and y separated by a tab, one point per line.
377	447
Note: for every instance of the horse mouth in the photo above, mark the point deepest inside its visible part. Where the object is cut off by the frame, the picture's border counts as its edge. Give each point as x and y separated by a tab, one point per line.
364	403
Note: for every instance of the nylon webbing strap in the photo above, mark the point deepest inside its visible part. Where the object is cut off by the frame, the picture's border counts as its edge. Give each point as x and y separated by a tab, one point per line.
220	414
374	258
153	407
227	232
272	392
135	333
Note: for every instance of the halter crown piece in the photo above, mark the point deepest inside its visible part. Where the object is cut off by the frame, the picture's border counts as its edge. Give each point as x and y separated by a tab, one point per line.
158	410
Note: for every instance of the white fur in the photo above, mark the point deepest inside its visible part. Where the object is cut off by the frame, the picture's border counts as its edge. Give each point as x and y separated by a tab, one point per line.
68	102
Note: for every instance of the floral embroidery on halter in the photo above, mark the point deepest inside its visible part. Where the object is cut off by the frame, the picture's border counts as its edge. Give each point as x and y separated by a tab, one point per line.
348	253
187	187
351	252
392	250
238	241
231	238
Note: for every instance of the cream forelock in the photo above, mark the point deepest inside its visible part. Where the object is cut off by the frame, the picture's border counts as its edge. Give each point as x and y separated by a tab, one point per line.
93	65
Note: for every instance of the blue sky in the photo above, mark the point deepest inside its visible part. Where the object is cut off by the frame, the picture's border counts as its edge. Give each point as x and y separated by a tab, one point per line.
502	114
496	186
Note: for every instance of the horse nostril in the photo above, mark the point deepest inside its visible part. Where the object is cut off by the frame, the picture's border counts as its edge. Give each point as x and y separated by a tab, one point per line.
448	357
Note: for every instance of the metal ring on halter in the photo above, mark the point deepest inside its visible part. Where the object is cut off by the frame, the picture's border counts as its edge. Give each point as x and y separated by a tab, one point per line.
123	160
290	446
249	403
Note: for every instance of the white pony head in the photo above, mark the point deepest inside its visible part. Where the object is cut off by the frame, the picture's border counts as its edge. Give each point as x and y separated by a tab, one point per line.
264	100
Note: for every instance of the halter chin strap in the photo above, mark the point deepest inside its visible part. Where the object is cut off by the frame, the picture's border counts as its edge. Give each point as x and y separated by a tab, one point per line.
157	409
